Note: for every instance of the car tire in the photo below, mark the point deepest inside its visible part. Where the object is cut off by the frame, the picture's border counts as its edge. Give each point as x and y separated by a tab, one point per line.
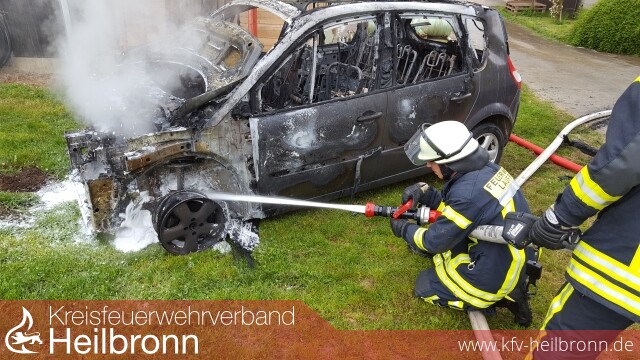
187	221
491	137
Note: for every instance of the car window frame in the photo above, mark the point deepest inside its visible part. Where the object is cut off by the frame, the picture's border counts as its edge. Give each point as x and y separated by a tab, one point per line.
478	63
256	90
454	21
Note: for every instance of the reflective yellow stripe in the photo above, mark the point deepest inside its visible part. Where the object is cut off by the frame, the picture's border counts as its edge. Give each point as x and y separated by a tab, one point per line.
441	206
607	265
460	259
431	299
599	285
558	303
637	79
634	267
417	238
536	342
453	287
530	353
472	242
458	305
467	287
510	281
456	217
589	192
510	207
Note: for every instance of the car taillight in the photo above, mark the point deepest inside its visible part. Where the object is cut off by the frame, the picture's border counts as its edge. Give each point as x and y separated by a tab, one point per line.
514	73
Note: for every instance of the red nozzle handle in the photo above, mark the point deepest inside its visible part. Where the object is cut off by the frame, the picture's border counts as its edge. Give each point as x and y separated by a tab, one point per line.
406	206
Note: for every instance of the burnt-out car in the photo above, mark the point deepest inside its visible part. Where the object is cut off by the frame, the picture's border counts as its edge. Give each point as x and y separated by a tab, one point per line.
323	114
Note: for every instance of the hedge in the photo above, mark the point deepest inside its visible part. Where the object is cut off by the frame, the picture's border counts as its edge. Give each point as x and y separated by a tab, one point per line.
610	26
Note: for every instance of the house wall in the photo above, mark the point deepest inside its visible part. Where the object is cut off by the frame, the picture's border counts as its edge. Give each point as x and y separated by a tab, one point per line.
33	25
269	27
30	25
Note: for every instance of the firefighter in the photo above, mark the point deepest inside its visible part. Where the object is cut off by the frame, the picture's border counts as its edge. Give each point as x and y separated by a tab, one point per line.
468	274
602	291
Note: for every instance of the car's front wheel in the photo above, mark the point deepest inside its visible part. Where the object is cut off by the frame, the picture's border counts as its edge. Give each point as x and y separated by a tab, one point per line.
491	137
187	221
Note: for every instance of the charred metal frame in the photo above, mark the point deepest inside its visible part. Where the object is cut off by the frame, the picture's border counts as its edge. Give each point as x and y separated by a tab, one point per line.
233	138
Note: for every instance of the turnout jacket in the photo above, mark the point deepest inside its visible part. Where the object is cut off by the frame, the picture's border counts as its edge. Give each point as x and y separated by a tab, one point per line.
480	273
605	264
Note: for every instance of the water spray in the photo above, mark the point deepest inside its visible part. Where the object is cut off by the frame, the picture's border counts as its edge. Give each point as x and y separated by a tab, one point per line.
421	215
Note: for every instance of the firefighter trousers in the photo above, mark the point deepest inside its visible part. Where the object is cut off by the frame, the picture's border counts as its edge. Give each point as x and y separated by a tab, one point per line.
577	327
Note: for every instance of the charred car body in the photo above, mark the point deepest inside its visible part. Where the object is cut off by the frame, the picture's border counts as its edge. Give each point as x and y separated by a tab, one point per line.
323	114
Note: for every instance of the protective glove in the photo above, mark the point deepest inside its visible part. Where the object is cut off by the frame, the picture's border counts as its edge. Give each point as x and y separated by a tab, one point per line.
399	227
547	232
414	192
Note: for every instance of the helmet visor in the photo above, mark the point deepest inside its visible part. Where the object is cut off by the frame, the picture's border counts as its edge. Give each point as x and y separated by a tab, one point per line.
412	147
420	140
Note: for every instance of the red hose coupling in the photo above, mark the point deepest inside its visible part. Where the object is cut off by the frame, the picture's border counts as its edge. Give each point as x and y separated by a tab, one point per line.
369	209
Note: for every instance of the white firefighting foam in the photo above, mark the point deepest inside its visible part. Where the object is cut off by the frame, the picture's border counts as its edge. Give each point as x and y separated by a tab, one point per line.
135	233
136	230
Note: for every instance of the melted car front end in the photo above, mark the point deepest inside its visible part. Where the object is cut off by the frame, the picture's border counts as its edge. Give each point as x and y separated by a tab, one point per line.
169	173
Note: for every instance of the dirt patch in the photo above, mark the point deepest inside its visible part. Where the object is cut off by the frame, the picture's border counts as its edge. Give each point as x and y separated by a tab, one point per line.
5	212
26	78
8	213
28	180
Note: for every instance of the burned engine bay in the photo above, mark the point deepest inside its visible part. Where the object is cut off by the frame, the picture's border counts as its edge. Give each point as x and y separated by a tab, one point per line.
155	171
234	124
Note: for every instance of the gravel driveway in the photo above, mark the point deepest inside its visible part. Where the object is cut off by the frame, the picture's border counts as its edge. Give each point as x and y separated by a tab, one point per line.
578	81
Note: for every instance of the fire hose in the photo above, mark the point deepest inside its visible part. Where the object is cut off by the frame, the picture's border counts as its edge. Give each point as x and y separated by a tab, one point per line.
517	224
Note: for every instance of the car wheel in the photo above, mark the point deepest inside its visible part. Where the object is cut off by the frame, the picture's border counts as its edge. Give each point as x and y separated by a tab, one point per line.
492	138
187	221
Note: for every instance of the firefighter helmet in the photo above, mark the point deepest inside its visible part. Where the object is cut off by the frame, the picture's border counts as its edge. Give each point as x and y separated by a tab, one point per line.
442	143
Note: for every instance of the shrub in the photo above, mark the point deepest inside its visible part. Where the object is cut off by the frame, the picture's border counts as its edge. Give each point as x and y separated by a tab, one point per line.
610	26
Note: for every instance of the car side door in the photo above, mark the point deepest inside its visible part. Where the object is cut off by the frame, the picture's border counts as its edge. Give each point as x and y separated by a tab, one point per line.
318	118
432	82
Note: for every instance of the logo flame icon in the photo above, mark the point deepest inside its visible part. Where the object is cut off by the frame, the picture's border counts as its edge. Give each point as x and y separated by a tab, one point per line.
15	337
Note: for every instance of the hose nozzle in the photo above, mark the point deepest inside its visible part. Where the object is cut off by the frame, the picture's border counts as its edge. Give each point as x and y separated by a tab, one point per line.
422	215
371	210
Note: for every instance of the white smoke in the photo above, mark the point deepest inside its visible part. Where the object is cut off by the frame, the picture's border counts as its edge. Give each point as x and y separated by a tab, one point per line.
104	94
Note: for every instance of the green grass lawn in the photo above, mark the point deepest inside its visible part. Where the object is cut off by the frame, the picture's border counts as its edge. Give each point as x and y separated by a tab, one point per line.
542	23
609	26
31	128
350	269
